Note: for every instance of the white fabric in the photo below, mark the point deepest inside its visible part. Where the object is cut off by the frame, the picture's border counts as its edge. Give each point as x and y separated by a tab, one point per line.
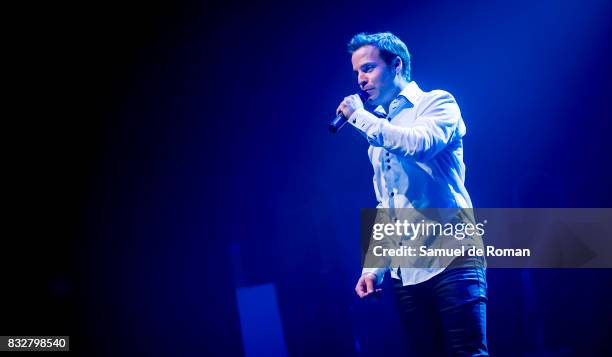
417	157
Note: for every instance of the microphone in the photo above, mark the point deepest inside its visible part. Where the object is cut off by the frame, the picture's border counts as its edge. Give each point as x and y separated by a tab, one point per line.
340	120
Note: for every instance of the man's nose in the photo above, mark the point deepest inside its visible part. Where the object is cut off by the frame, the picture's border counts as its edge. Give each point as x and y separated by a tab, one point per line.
362	82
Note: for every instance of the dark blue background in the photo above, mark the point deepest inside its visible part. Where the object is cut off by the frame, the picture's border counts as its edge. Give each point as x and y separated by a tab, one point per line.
190	128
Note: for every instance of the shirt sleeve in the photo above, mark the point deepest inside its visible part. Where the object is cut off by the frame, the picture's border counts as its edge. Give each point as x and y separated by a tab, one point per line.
378	272
378	265
427	136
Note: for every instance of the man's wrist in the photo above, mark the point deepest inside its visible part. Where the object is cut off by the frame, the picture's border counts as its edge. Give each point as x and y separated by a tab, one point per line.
378	273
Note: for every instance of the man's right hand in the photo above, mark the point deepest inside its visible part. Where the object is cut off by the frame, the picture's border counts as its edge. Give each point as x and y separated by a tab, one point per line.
365	285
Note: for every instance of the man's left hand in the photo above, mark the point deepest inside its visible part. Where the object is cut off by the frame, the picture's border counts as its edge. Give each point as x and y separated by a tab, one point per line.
349	105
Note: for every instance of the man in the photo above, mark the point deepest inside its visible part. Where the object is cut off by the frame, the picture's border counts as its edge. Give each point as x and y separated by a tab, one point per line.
417	154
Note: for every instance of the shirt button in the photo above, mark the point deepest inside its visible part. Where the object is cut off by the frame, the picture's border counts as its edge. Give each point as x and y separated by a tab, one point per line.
387	154
388	160
392	194
388	167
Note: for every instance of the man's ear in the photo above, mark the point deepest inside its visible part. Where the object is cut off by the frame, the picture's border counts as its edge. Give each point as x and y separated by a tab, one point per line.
398	65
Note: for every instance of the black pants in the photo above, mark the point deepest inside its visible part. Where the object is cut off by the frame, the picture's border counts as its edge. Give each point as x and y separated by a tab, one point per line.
445	315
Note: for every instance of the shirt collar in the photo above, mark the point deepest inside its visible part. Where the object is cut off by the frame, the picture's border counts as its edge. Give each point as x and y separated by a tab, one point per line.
412	92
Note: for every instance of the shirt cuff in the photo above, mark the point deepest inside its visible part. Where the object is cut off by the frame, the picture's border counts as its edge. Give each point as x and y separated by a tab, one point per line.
379	272
368	123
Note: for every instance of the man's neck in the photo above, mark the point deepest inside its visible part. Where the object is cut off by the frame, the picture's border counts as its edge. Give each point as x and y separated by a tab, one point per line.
400	84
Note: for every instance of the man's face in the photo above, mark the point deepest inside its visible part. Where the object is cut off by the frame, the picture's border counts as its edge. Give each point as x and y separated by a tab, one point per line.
373	74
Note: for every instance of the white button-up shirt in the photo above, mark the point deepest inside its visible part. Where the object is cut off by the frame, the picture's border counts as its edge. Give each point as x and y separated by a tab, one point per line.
417	156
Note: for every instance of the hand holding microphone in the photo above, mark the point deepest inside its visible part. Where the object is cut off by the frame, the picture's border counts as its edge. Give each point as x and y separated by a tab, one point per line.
346	108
